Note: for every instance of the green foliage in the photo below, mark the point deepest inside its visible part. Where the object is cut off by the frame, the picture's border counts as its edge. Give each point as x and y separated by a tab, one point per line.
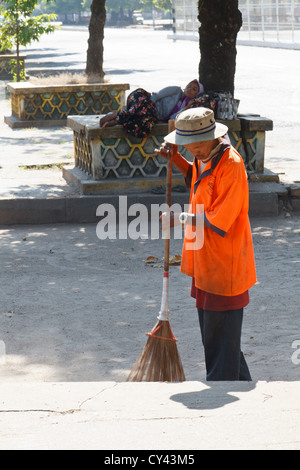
23	5
19	27
24	29
17	73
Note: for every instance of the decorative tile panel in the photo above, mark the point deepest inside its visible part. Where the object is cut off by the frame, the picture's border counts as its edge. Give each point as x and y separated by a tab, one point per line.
56	103
121	156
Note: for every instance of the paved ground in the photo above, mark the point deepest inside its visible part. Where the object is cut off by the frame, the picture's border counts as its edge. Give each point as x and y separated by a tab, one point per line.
123	419
265	85
73	317
74	309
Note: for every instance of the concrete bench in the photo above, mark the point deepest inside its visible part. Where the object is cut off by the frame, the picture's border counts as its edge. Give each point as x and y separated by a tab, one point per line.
109	160
253	136
50	105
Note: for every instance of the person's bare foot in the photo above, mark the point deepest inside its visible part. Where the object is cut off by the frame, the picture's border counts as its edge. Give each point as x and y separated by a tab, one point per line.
108	120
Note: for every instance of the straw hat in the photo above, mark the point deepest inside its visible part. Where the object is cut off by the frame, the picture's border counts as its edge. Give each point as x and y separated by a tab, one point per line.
195	125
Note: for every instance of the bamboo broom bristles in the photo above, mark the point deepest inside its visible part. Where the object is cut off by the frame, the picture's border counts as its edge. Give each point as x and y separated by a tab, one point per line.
159	360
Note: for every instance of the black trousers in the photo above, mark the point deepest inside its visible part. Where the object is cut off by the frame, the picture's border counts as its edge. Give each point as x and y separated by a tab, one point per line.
221	338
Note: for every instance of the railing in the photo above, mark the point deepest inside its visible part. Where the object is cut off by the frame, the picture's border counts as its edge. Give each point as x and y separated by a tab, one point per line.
273	23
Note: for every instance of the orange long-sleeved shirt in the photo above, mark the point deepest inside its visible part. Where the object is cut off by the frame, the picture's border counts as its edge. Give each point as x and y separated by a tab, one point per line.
224	264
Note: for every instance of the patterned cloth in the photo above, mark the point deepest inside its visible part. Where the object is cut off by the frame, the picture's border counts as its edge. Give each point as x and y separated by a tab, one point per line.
140	114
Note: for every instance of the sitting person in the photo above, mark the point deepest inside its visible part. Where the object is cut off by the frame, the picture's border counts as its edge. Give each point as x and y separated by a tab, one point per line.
144	109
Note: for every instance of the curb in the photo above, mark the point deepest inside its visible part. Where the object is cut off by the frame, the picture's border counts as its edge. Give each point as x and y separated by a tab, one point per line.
82	209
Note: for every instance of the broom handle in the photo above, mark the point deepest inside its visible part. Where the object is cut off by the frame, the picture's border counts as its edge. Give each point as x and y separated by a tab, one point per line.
164	311
168	203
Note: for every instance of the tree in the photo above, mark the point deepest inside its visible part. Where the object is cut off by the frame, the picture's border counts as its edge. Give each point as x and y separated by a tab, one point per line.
220	23
94	63
20	28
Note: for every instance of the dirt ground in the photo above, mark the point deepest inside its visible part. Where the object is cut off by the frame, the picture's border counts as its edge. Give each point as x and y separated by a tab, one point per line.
76	308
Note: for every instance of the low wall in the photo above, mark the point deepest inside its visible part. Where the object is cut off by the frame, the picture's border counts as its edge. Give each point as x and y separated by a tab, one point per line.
51	105
109	159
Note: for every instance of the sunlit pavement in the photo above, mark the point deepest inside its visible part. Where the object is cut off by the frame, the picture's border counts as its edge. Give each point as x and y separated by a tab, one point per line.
62	410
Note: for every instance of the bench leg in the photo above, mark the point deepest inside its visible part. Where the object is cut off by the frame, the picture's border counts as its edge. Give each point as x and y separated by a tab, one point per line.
97	166
260	151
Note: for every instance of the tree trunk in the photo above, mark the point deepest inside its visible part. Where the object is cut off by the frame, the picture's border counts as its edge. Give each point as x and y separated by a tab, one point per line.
18	61
18	54
220	23
94	63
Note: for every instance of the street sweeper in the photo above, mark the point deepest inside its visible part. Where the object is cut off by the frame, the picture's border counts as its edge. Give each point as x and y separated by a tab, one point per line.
222	268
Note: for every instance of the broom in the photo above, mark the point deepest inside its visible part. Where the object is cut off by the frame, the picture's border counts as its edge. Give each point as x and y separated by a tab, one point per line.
160	360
